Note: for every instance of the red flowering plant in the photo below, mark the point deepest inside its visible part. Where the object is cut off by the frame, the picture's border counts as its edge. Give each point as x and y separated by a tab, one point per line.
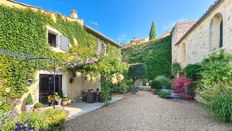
181	84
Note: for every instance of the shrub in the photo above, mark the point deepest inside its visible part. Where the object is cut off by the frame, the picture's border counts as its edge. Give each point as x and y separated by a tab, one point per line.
164	93
137	71
55	117
193	71
49	119
38	105
29	100
221	106
217	68
176	68
181	84
164	82
155	84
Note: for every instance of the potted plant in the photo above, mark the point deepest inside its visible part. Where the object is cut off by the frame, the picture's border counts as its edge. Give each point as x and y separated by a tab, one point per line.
29	103
51	99
38	106
65	101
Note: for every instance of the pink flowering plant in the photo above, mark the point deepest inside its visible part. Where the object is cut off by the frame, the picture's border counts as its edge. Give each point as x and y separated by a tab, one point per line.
181	84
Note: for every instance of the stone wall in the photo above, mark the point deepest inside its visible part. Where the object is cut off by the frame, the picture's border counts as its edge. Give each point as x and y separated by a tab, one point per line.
178	31
197	42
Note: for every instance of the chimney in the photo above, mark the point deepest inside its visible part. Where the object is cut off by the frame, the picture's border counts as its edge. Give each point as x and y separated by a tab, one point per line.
74	14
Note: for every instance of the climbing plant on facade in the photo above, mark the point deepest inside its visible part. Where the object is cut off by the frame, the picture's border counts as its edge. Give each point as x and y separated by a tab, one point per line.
24	30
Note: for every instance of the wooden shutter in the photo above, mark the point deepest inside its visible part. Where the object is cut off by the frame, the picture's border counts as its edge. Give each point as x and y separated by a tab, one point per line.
64	43
99	47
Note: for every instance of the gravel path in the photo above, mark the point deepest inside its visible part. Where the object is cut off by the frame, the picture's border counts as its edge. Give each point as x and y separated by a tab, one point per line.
146	112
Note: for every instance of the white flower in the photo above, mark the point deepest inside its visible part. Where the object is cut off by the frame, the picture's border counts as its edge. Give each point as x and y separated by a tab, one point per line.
120	77
114	81
7	90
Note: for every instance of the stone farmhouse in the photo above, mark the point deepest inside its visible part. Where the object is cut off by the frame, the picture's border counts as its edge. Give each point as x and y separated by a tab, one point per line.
60	43
194	41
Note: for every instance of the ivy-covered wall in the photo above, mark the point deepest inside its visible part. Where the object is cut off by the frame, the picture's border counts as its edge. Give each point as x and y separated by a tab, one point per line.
24	30
156	54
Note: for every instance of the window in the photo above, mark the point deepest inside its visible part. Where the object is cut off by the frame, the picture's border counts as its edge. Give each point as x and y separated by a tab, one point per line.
221	34
216	33
52	39
57	41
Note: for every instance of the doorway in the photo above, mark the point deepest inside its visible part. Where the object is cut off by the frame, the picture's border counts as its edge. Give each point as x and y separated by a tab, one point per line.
46	85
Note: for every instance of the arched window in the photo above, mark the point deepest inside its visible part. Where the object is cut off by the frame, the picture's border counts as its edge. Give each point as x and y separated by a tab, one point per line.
216	33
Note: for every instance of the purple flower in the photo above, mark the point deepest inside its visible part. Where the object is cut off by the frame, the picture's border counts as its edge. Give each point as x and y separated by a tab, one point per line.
27	121
41	129
19	124
24	128
31	128
15	113
0	127
16	102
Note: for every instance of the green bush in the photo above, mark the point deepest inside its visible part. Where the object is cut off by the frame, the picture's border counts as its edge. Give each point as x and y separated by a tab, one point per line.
164	82
164	93
215	86
217	68
29	100
176	68
193	71
55	117
50	119
137	71
38	105
221	105
155	84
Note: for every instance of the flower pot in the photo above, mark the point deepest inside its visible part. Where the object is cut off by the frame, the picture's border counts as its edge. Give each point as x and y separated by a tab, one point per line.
37	109
65	103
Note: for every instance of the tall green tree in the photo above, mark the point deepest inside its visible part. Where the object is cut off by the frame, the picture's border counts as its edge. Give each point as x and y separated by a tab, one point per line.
152	34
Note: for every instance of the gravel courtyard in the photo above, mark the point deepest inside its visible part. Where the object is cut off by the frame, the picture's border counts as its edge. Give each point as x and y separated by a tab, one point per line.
146	112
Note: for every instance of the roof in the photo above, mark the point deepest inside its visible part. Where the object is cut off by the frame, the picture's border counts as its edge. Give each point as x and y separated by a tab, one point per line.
101	36
88	29
202	18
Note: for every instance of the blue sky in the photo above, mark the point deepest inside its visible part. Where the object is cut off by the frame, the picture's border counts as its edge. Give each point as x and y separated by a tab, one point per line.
121	20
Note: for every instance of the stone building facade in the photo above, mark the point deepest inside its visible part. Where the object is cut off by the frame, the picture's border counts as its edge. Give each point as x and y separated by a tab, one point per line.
210	33
44	78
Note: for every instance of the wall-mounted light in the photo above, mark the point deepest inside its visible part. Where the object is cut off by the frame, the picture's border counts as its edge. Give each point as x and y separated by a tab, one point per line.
29	82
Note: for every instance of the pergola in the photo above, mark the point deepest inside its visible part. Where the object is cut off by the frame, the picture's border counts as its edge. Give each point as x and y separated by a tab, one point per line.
27	57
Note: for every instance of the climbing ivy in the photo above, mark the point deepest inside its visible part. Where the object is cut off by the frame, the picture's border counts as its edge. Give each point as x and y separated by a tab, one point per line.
156	54
24	30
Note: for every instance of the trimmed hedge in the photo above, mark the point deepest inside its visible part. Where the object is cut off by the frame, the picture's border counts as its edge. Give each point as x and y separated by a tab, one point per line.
156	54
137	71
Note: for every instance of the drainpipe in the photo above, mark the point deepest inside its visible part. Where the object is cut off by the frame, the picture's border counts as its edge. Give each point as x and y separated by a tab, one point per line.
54	84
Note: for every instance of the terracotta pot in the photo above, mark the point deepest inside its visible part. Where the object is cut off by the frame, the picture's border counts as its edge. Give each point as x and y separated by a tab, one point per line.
37	109
65	103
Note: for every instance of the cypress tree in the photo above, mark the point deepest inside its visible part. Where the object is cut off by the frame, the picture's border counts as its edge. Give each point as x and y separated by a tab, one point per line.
152	34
